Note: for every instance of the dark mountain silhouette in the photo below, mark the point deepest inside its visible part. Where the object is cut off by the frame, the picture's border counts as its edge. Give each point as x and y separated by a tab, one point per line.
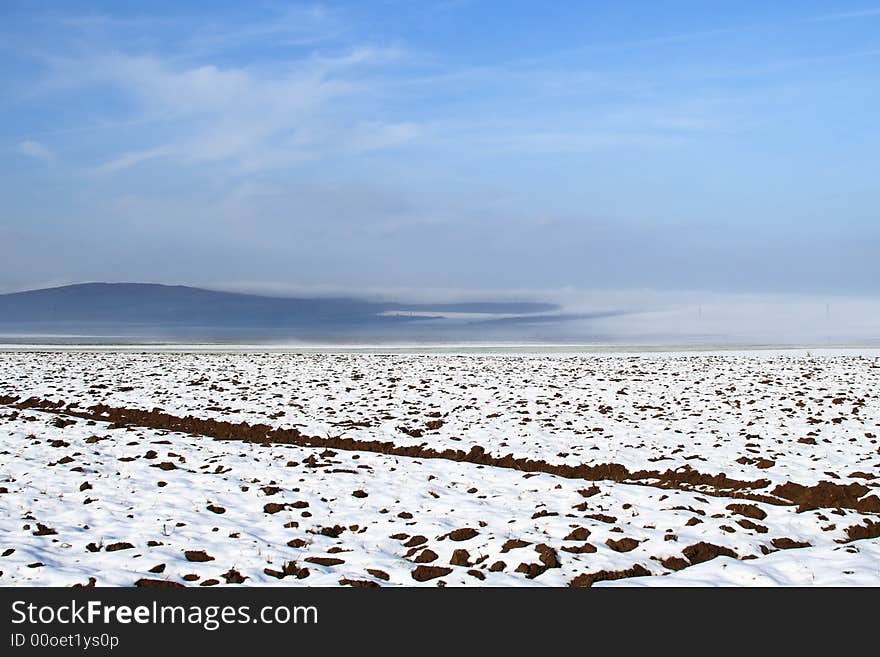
142	309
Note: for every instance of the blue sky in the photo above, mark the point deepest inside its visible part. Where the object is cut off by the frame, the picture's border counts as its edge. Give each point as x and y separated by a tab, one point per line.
717	146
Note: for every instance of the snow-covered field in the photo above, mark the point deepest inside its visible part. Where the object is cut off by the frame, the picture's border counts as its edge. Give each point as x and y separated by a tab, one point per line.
611	476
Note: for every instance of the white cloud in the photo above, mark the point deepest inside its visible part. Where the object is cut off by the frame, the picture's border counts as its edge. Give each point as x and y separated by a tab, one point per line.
35	150
293	26
251	118
849	15
131	159
377	136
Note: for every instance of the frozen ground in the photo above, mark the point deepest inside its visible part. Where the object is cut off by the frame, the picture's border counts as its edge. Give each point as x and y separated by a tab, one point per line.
89	495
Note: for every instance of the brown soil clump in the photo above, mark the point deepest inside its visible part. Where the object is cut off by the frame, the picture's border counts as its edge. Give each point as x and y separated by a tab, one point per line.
700	552
588	579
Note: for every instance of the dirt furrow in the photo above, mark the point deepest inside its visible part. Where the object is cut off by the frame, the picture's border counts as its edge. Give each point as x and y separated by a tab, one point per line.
825	494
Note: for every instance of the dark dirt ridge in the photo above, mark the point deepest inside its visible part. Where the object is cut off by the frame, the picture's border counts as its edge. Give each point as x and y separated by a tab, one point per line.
825	494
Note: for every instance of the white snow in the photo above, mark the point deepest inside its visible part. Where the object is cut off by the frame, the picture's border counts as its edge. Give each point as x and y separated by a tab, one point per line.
812	417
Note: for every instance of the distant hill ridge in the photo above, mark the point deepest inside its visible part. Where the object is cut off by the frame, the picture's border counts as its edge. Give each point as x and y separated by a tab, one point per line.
92	306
